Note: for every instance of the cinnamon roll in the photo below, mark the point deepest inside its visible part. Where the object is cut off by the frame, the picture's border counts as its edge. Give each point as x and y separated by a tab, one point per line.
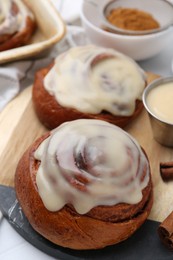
89	82
17	24
85	185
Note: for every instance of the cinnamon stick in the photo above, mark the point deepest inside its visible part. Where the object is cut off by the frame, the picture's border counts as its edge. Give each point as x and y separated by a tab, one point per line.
166	170
165	231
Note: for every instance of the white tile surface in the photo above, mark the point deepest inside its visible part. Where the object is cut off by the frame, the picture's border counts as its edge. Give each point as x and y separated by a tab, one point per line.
14	247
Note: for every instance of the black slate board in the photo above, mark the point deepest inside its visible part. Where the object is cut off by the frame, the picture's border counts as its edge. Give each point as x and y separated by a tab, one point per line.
143	245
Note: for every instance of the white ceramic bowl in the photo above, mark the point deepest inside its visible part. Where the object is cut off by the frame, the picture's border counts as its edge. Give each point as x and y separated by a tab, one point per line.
137	47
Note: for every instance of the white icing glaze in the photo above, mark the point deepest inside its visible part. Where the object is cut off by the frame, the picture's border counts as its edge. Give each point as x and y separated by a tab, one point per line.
106	157
113	83
10	23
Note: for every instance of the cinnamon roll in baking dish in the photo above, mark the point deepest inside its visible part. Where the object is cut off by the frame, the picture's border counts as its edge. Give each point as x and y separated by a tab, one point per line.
89	82
17	24
85	185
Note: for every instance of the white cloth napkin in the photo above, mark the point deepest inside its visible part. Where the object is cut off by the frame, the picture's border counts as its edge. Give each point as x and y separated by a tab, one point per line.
14	77
69	9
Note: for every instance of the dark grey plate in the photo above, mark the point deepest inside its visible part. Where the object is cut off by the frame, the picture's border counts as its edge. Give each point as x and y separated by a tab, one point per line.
143	245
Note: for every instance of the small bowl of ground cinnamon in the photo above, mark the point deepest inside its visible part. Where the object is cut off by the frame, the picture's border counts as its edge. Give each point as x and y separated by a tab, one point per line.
137	17
131	21
138	28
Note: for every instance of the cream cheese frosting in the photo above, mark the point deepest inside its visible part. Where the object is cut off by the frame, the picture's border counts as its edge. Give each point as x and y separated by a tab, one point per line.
87	163
11	22
93	79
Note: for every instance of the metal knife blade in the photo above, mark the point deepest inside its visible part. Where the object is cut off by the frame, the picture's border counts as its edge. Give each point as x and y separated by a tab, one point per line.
144	244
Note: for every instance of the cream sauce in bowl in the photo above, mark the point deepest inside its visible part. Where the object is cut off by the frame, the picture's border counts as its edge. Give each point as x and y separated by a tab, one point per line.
157	99
160	101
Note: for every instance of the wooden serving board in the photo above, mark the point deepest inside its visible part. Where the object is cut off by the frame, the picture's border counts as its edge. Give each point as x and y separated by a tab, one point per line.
19	127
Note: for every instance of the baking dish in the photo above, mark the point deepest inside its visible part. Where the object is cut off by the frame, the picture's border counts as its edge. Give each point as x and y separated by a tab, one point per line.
50	30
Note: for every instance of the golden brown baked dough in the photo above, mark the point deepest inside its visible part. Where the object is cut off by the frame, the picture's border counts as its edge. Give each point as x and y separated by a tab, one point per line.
17	37
89	82
51	113
100	227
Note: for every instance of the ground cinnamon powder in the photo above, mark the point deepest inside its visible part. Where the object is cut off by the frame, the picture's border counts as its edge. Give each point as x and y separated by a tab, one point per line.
132	19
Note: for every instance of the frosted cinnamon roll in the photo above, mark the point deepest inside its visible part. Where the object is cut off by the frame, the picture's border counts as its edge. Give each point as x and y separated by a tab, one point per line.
89	82
85	185
17	24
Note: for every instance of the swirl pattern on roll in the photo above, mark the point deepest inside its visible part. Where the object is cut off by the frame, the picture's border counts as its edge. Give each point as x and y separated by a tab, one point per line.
92	79
87	163
13	14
